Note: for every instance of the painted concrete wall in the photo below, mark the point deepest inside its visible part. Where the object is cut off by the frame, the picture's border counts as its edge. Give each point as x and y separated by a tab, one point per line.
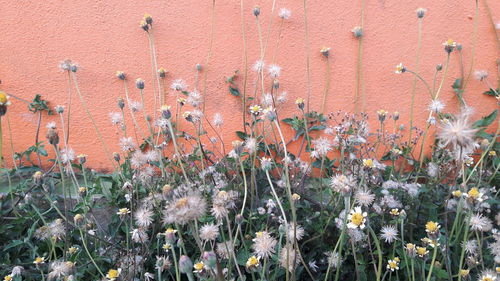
103	36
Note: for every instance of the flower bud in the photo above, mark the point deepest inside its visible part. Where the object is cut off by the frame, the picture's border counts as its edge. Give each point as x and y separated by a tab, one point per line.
162	72
78	218
116	156
148	19
256	11
421	12
120	75
210	259
185	264
121	103
82	191
53	136
144	25
139	83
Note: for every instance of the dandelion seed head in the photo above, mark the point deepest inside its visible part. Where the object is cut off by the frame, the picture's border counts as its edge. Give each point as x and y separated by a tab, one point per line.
209	232
284	13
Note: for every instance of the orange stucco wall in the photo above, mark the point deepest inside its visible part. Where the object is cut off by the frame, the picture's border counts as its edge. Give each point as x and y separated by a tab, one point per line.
103	36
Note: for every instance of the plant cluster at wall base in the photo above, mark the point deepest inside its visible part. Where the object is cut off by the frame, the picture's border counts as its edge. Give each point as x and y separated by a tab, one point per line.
359	197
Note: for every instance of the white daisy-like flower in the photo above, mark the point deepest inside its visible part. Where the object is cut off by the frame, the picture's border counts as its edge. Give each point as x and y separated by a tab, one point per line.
357	218
284	13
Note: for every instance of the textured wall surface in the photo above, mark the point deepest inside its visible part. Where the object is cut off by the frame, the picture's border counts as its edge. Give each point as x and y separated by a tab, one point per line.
104	36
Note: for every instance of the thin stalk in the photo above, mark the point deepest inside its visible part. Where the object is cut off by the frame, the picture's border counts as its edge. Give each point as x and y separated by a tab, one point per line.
88	253
177	154
209	55
417	69
101	139
434	254
327	85
308	68
245	73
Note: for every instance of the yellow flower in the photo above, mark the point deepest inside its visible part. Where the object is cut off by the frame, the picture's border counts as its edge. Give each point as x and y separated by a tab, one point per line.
113	274
474	194
299	101
7	278
4	99
393	264
492	153
170	231
368	163
123	211
464	272
421	251
450	43
357	218
37	175
457	193
432	227
166	247
165	107
181	100
72	250
394	212
255	109
39	260
181	203
295	197
198	267
253	262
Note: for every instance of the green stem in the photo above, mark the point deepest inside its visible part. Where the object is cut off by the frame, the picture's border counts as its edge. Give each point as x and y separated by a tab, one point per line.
434	254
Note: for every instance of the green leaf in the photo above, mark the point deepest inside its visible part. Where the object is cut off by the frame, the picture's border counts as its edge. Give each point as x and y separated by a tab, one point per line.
491	92
486	121
241	135
234	91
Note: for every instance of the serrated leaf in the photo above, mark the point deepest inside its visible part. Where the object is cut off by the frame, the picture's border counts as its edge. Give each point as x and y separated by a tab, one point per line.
486	121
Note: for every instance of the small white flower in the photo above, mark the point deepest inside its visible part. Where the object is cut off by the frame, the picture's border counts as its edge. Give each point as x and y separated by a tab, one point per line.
284	13
258	66
178	85
218	120
274	70
480	74
436	106
357	218
389	233
116	118
51	125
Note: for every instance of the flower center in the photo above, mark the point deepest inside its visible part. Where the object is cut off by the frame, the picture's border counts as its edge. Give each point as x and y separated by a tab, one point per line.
357	219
